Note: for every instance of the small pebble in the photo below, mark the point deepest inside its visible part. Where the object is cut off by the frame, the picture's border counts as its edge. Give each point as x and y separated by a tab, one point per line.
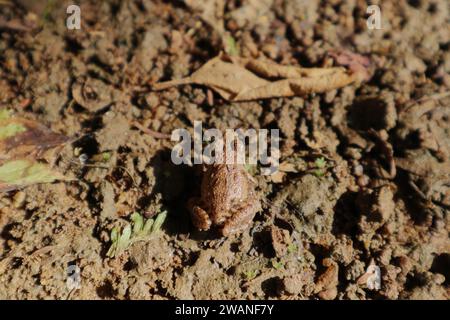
19	199
362	181
358	170
83	158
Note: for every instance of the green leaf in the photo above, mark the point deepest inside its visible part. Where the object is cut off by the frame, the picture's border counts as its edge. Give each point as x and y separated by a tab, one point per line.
138	223
148	227
23	172
112	250
319	173
159	221
320	162
106	156
124	239
277	264
249	275
250	168
231	47
11	129
114	242
126	233
4	114
136	233
292	248
114	235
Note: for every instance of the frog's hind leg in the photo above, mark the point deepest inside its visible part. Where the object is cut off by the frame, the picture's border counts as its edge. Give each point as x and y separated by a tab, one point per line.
241	219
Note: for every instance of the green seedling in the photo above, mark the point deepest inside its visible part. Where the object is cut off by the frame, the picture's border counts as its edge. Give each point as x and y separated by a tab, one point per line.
138	222
159	221
250	168
148	226
139	229
4	114
251	274
106	156
320	165
231	46
277	265
320	162
292	248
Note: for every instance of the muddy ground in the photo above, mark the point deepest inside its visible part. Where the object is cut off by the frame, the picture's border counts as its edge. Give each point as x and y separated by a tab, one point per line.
365	175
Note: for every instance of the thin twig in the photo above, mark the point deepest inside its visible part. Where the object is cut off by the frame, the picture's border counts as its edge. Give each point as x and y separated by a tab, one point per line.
154	134
436	96
99	166
13	25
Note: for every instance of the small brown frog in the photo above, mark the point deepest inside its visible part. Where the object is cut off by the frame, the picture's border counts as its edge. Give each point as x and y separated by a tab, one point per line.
227	199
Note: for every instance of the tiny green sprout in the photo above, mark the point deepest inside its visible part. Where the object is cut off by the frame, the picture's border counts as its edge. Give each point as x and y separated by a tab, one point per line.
138	230
114	235
138	223
250	274
112	250
292	248
277	265
114	240
319	173
11	129
148	226
124	239
159	221
320	163
250	168
4	114
231	47
106	156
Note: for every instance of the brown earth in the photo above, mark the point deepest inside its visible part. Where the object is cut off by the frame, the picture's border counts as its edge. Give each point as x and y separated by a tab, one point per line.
382	197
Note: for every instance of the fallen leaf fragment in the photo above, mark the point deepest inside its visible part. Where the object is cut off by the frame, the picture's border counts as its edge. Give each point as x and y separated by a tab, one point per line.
239	79
24	144
155	134
20	137
24	172
15	25
283	168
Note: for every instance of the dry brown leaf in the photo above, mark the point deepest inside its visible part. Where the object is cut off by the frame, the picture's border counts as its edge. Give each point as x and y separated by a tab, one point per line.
22	137
287	167
283	168
238	79
277	177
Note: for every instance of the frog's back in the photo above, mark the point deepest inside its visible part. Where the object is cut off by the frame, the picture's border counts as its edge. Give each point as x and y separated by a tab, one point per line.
224	188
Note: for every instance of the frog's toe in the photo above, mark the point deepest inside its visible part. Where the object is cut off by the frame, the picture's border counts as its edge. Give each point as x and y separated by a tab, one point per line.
200	218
